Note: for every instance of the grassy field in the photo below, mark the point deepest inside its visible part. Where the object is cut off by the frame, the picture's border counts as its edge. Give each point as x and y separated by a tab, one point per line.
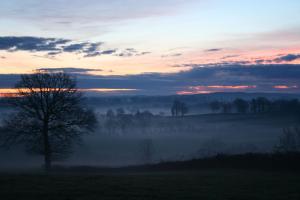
203	184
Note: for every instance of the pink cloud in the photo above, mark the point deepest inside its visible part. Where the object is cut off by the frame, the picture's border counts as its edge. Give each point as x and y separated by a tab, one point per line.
214	88
285	87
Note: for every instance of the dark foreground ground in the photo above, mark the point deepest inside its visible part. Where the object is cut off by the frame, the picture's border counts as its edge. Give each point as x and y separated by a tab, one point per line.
203	184
231	177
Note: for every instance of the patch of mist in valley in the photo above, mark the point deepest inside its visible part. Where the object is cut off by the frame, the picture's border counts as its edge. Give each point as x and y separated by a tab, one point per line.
155	136
184	138
170	138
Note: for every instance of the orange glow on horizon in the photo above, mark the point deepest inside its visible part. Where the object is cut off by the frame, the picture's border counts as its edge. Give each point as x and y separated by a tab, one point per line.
12	92
232	86
193	92
285	87
214	88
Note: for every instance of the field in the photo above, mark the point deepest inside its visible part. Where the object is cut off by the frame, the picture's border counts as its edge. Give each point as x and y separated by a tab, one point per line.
235	177
206	184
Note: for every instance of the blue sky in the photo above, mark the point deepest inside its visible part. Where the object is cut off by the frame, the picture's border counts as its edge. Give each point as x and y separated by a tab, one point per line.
132	37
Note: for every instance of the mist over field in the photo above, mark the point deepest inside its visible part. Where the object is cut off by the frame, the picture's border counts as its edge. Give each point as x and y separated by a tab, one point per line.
149	99
139	130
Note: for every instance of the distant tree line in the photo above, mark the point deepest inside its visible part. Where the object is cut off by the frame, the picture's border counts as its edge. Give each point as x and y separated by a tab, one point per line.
179	109
256	105
126	122
118	121
289	141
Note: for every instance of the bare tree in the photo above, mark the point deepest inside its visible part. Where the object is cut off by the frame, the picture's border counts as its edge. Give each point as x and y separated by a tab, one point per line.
147	150
215	106
175	109
241	105
227	107
111	121
49	116
179	108
289	141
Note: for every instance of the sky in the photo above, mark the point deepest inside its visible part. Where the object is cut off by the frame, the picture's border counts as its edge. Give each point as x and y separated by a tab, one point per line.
155	47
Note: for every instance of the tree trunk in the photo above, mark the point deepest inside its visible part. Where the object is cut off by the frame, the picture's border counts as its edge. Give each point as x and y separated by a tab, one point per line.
47	149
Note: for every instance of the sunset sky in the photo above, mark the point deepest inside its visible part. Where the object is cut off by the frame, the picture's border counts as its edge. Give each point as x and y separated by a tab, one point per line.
155	47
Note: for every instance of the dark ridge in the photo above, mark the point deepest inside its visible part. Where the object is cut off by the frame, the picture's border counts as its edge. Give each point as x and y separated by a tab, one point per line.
249	161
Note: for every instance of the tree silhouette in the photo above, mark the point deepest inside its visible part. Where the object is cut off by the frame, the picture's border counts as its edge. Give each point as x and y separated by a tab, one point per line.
123	120
184	109
50	116
253	106
147	150
111	121
289	141
215	106
175	108
262	104
179	108
226	107
241	105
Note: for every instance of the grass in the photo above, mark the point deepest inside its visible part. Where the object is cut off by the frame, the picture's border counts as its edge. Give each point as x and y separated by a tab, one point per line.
203	184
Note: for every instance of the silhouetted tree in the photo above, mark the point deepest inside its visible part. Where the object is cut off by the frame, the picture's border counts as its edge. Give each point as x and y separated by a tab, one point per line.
179	108
144	119
50	116
241	105
175	110
184	109
215	106
289	141
123	120
226	107
110	113
110	122
147	150
253	106
262	104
